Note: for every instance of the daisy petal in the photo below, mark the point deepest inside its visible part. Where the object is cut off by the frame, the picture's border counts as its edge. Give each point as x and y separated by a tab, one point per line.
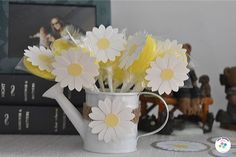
78	84
174	85
96	114
108	32
71	83
105	108
164	88
120	132
95	123
113	134
98	128
107	136
65	81
102	134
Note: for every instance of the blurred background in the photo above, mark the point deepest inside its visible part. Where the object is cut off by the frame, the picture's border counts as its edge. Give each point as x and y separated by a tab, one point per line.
210	27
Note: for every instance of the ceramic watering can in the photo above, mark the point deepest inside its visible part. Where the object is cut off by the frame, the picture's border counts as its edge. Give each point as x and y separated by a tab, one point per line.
109	120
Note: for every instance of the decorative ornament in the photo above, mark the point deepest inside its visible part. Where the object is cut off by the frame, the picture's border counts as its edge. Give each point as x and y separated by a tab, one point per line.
111	120
40	56
75	69
167	74
105	43
168	47
181	146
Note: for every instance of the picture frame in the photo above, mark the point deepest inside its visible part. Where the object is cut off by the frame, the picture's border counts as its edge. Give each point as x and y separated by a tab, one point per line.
8	61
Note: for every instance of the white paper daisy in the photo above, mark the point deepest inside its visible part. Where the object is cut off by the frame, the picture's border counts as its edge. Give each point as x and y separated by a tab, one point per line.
134	47
172	48
40	56
111	120
75	69
105	43
167	74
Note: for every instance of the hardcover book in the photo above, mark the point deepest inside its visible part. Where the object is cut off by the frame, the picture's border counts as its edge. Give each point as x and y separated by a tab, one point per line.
34	120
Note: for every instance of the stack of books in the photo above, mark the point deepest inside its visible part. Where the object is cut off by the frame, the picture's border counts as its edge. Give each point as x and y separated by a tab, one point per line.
23	110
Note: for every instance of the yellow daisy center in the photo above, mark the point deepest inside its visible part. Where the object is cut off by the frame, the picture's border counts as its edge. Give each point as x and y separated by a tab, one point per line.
132	49
75	69
103	43
167	74
46	59
111	120
181	145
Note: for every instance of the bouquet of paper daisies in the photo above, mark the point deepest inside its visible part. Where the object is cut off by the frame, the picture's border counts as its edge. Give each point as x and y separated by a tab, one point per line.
106	60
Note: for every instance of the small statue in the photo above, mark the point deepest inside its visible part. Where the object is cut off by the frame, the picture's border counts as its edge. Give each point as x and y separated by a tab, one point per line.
227	118
184	94
205	86
189	98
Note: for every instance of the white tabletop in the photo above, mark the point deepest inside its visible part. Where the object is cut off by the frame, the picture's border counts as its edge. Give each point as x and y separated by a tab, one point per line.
71	146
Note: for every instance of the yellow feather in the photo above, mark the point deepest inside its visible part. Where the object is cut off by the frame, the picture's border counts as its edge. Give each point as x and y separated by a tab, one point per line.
36	71
148	54
61	45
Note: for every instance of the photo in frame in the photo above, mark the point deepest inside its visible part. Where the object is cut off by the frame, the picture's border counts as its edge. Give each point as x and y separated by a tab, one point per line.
33	22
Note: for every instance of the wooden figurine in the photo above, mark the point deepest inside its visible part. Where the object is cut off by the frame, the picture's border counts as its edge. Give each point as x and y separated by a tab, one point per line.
189	98
184	94
205	86
227	118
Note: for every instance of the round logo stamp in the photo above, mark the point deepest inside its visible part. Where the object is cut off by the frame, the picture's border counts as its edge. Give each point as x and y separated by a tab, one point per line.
222	145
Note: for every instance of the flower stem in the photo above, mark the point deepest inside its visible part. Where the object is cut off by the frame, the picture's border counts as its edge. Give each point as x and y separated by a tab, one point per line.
138	87
126	86
95	88
128	82
109	78
101	84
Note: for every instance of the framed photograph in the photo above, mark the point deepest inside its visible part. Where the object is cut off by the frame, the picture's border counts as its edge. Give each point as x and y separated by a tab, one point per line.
23	22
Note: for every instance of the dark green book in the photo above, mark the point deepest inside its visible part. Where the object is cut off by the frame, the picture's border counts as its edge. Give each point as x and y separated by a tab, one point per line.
17	119
26	89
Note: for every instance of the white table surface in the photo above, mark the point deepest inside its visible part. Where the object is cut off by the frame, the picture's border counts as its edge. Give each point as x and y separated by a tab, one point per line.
71	146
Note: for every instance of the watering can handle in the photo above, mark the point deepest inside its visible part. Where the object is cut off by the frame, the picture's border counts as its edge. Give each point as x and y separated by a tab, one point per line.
167	114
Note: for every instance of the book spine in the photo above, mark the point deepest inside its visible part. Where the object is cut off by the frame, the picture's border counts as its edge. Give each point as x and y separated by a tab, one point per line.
34	120
28	90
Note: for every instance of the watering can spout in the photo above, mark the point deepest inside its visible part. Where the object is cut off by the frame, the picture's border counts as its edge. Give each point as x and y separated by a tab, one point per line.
56	92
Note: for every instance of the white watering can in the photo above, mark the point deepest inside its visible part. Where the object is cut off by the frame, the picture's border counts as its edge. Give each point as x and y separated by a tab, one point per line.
91	141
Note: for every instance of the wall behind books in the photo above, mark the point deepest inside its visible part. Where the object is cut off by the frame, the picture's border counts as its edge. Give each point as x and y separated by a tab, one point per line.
209	26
